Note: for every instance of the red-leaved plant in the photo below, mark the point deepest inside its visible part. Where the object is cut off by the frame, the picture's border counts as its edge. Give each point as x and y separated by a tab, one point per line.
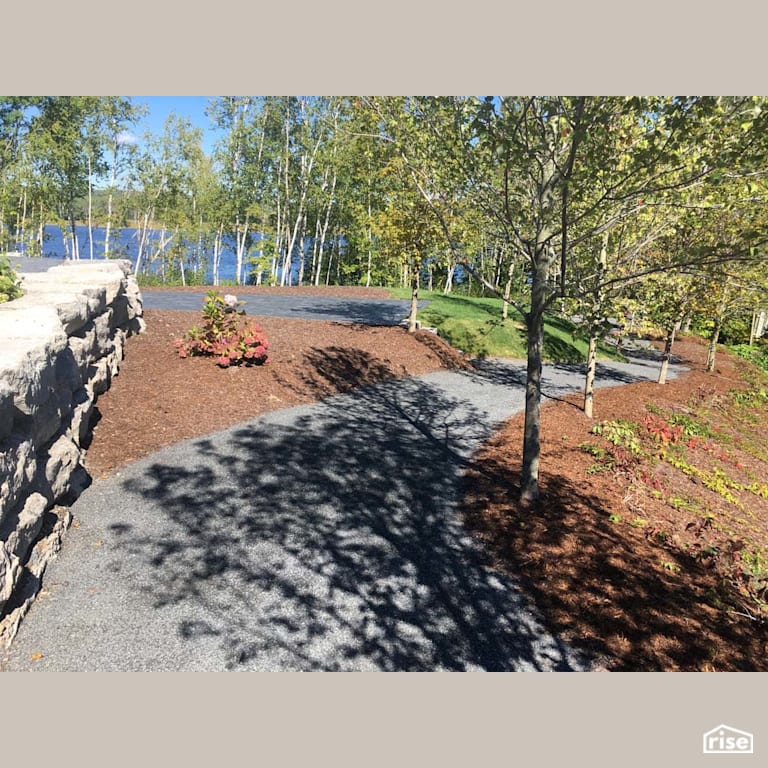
225	334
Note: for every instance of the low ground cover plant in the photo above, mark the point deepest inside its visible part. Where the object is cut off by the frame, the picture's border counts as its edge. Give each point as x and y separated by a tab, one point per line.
225	334
690	443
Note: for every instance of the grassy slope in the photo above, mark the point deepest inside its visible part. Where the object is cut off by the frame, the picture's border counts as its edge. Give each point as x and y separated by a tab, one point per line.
475	326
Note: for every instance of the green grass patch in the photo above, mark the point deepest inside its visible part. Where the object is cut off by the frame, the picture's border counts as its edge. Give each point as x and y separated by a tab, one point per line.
475	326
756	353
191	279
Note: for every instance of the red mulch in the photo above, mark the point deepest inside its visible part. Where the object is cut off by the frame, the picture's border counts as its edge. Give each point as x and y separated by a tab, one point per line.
158	398
616	559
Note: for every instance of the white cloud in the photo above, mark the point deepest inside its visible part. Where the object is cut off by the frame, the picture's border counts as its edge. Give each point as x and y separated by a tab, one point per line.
126	138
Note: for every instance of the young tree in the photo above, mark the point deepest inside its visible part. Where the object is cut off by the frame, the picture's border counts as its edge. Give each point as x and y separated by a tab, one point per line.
66	150
549	173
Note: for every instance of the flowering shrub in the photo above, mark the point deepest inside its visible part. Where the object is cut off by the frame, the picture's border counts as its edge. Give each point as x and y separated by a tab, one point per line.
9	283
225	334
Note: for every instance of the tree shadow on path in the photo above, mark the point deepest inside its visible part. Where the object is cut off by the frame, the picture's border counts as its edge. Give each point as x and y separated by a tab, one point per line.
330	541
620	595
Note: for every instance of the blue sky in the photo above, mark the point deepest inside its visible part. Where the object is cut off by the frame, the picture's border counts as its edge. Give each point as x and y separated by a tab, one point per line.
192	107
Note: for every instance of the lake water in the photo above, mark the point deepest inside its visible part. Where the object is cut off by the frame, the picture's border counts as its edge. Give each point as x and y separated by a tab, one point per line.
124	244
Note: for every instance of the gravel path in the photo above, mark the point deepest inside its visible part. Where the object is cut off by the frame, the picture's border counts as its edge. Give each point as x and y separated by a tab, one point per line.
322	537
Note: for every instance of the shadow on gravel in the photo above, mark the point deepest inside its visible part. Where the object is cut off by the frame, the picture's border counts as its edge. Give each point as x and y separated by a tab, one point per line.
373	312
558	378
333	543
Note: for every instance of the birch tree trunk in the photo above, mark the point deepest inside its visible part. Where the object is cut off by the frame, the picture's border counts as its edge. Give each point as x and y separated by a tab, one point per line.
302	246
110	197
217	246
412	323
326	223
370	244
241	236
90	209
589	383
73	230
507	292
449	279
143	241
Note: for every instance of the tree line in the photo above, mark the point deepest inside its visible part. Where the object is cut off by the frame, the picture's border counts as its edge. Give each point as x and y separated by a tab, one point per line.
639	208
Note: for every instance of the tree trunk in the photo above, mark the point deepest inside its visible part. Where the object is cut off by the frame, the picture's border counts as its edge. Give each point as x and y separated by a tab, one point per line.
670	340
41	232
302	253
330	263
712	350
370	244
507	292
90	210
23	226
241	240
143	241
412	324
75	244
589	384
316	255
112	179
721	310
108	229
529	479
449	279
324	231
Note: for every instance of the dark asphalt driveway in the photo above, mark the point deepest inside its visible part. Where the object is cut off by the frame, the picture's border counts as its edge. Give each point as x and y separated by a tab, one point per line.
299	307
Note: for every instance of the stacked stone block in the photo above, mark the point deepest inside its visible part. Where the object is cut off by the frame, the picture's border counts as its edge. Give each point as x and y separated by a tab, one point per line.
60	345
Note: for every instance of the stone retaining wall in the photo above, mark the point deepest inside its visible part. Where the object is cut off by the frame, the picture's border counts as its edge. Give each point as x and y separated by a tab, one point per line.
60	345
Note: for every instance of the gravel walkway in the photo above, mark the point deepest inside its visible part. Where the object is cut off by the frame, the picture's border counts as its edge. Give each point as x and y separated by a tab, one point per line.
322	537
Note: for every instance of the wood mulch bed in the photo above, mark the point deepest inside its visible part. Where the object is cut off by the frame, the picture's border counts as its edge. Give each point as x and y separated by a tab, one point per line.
617	561
158	398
